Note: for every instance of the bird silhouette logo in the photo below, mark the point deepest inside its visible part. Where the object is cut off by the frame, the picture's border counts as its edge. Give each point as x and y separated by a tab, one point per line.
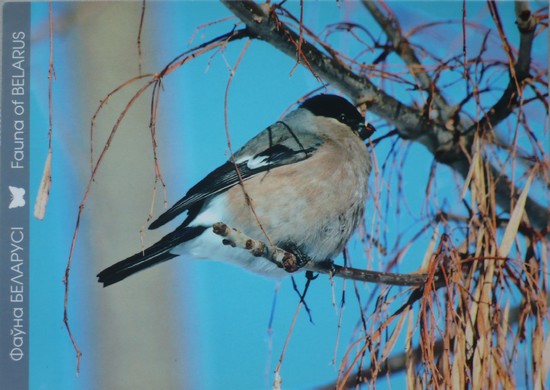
17	199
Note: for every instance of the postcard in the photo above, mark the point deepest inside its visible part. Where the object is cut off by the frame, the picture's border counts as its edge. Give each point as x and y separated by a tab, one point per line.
285	195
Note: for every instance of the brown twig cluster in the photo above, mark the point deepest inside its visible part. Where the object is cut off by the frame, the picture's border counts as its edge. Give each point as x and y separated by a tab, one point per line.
463	330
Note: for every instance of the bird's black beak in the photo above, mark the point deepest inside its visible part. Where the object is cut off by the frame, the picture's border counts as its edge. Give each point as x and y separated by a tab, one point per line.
365	131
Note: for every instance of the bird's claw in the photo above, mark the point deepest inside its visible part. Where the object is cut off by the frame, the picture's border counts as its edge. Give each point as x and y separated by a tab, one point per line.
293	259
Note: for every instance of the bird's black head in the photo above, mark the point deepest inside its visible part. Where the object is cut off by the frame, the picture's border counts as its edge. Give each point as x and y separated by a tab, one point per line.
333	106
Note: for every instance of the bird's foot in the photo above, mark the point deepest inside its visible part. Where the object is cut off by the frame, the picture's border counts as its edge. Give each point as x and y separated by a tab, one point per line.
294	258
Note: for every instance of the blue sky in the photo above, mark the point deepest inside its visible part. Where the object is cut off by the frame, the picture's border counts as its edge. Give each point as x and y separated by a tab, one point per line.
224	311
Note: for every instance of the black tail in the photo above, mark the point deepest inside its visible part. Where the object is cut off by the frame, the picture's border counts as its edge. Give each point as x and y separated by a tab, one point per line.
155	254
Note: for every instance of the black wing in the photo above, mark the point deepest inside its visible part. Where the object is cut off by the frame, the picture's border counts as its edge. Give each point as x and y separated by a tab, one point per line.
226	176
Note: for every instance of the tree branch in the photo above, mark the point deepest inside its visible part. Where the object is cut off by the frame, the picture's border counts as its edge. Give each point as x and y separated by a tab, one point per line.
262	24
403	48
289	261
519	71
447	146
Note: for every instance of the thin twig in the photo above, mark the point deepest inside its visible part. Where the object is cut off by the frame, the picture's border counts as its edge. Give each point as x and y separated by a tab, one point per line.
154	80
140	31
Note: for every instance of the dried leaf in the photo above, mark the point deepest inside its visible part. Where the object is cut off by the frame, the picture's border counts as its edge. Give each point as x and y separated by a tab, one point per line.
394	336
515	219
430	249
545	360
468	179
459	363
44	190
410	362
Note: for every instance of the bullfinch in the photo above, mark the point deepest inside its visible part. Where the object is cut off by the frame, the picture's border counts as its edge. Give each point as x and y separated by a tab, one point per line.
305	176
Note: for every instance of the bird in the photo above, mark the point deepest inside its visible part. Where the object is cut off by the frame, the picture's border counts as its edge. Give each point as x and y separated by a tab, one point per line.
303	178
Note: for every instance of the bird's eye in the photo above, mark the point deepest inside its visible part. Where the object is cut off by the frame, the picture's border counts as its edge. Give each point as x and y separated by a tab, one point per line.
342	118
